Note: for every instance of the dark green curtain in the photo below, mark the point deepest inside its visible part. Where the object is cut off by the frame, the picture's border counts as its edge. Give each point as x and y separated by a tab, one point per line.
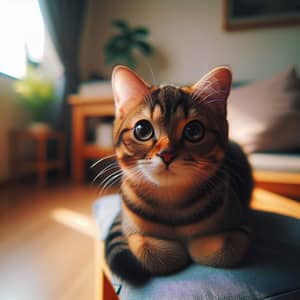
64	22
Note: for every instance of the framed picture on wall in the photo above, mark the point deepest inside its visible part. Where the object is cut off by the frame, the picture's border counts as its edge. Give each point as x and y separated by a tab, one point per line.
247	14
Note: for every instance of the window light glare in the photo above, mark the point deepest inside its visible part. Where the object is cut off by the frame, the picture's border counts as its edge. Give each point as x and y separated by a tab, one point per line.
21	27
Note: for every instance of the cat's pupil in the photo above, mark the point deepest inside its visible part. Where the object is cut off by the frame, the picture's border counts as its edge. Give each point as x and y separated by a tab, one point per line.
143	130
193	131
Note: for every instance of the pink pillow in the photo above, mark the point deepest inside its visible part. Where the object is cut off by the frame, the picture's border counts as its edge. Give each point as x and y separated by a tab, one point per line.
265	116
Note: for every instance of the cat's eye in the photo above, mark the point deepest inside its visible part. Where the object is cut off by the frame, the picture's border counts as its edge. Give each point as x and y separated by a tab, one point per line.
193	131
143	130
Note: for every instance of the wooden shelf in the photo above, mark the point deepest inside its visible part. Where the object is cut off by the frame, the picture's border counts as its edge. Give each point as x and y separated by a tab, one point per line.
32	166
277	177
82	108
39	164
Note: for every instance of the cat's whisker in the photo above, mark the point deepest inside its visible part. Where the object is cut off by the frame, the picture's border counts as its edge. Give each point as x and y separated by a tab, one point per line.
113	180
102	160
132	172
214	100
108	168
152	73
108	180
109	176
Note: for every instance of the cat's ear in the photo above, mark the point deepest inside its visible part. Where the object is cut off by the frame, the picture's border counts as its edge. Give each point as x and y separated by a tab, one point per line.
213	88
128	88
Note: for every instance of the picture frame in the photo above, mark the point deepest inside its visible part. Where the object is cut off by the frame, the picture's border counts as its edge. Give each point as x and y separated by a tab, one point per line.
249	14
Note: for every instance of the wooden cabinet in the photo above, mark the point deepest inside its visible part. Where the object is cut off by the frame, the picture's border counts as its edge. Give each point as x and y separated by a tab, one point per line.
40	162
84	107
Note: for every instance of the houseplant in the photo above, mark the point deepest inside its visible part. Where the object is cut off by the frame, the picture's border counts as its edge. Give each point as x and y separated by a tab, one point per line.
121	47
36	94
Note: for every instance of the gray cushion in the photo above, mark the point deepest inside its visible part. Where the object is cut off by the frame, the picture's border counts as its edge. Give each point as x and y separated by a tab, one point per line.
270	271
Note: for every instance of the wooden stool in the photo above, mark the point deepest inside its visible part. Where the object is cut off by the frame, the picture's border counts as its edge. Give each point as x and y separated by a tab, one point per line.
39	164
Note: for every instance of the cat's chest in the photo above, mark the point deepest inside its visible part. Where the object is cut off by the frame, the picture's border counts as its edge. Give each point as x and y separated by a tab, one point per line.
206	216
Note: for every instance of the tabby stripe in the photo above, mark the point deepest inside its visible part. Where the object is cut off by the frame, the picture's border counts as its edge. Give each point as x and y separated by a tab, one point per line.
183	102
120	259
120	137
211	185
213	205
145	198
156	102
116	245
168	113
244	229
114	233
203	191
142	212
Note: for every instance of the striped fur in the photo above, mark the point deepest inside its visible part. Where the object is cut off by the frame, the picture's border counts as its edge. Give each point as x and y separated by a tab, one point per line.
120	258
193	208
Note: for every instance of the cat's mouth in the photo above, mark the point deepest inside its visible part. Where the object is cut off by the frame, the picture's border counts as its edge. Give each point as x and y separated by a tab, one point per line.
165	170
162	171
158	171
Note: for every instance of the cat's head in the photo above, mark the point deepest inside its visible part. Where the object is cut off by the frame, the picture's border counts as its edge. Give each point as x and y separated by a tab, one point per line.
170	136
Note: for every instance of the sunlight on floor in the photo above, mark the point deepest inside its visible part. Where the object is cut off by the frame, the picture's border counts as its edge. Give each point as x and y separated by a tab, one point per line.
75	220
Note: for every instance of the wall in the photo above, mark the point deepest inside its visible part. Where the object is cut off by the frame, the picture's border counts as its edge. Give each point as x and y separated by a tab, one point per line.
189	40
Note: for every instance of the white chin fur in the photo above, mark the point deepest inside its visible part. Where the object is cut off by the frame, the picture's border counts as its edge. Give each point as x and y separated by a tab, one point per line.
156	173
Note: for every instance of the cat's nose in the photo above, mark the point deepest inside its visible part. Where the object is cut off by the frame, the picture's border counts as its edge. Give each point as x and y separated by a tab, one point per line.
167	156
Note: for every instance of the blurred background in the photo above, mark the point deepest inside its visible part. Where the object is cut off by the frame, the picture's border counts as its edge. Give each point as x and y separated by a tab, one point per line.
56	113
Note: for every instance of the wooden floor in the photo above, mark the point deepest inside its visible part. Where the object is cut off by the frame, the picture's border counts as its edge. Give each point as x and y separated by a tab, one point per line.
46	243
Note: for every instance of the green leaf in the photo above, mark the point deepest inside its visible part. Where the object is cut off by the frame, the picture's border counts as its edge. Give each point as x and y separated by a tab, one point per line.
144	47
121	25
140	32
120	47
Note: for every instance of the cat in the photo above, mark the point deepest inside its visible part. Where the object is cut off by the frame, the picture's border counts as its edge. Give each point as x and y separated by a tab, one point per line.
185	187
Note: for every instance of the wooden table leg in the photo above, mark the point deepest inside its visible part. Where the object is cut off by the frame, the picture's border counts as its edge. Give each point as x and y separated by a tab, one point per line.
77	143
41	161
61	149
13	152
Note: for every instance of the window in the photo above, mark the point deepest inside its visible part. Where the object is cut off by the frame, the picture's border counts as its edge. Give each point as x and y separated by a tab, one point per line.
21	31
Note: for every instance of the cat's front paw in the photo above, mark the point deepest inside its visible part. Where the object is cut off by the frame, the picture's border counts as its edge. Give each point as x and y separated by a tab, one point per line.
158	256
225	249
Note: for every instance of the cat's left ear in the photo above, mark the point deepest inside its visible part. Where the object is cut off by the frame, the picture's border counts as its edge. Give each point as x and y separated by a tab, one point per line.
129	90
213	88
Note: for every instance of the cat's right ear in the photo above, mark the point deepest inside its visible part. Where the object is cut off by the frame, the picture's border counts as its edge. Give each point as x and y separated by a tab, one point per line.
128	88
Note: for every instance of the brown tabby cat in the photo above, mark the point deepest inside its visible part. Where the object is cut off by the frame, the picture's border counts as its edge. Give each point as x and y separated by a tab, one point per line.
185	187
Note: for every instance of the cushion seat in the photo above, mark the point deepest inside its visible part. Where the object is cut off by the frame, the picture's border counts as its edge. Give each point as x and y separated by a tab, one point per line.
271	269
